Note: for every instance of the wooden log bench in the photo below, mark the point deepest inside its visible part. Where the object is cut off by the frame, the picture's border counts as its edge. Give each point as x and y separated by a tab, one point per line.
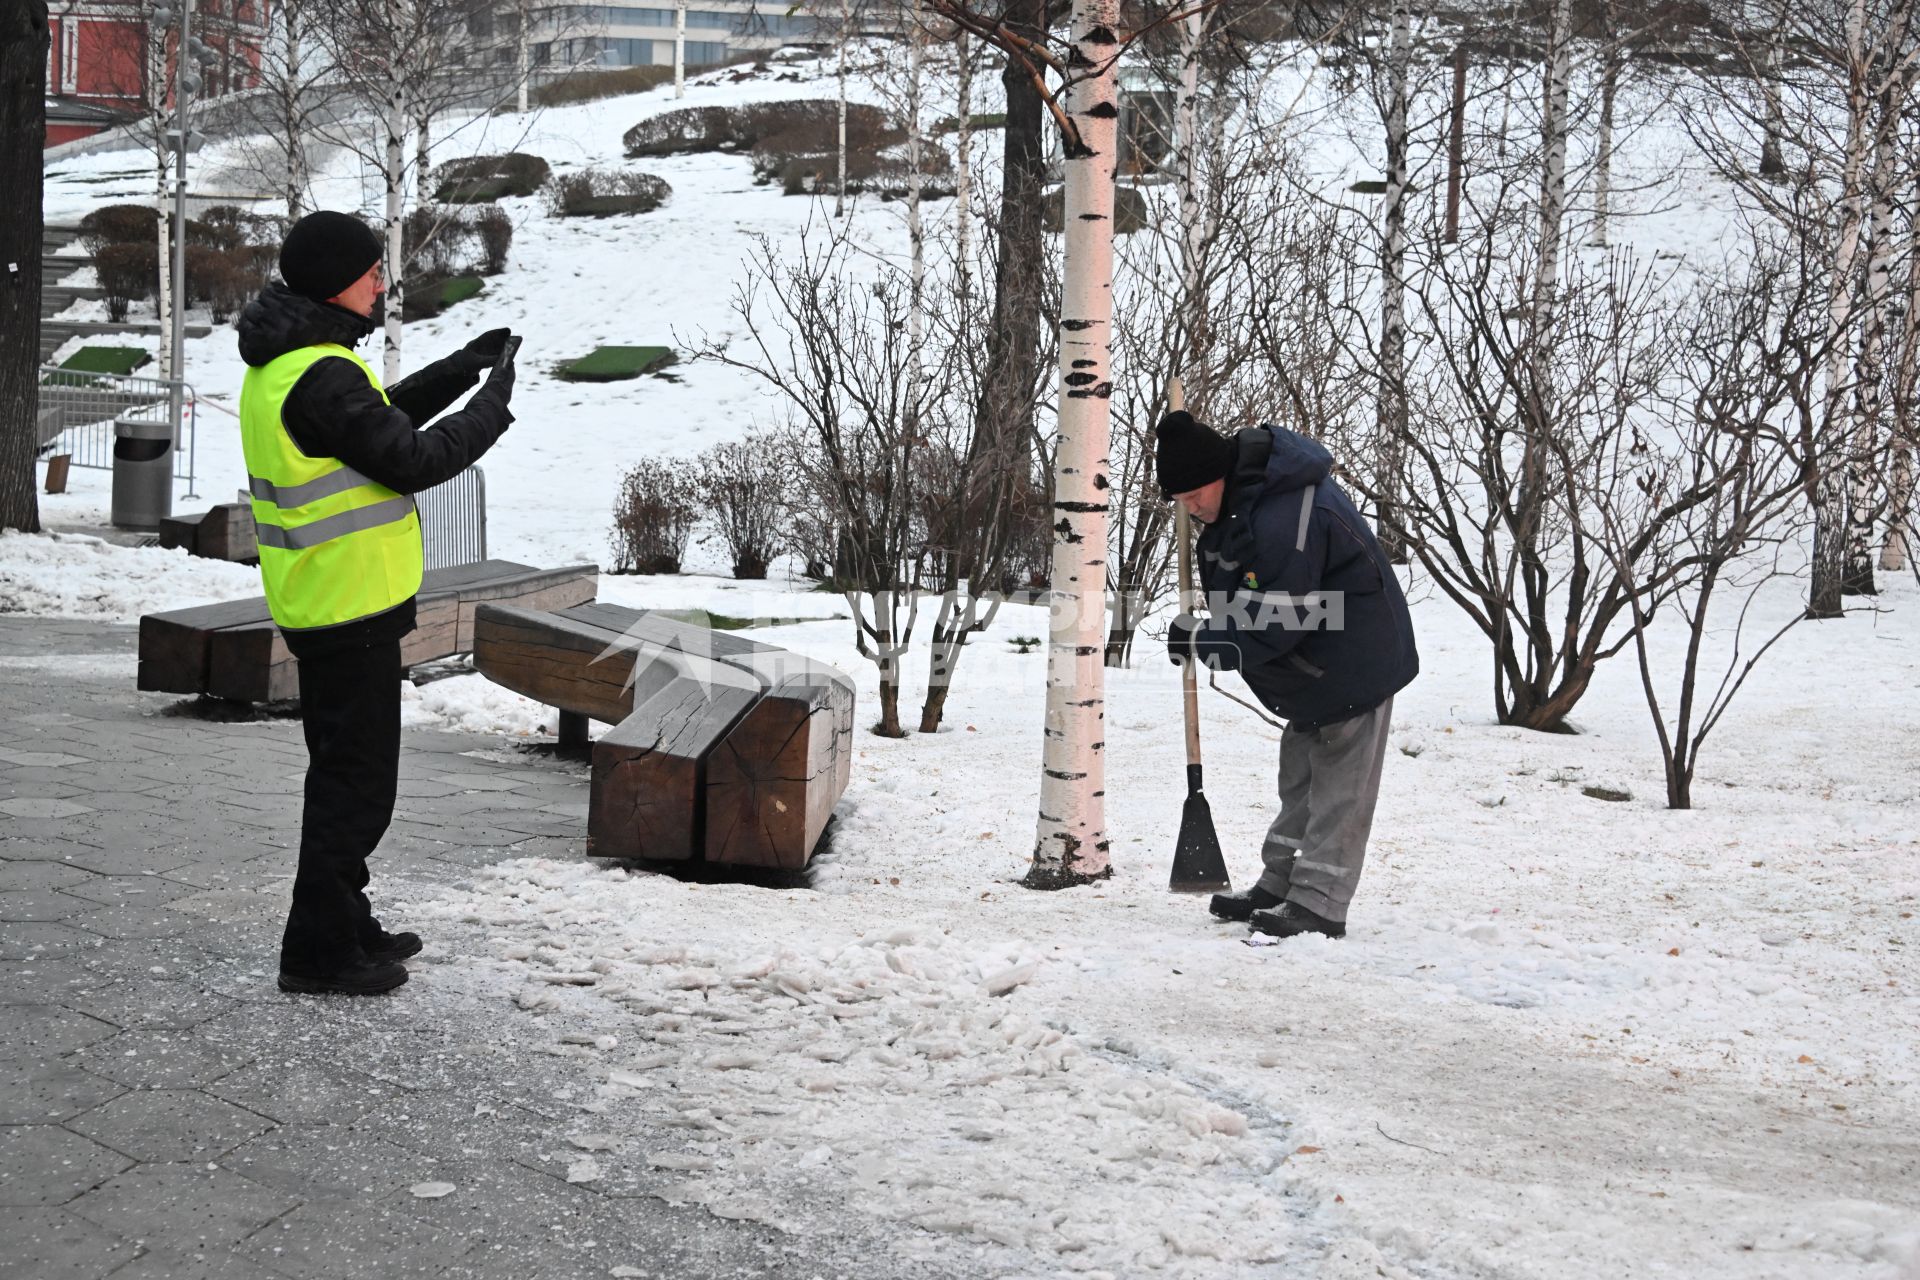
224	533
233	650
723	749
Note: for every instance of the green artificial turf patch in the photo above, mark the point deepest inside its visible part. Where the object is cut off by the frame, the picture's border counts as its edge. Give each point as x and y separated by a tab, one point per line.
612	364
458	289
119	361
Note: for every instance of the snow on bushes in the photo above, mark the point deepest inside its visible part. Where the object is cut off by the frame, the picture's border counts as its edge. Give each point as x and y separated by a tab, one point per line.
602	193
483	179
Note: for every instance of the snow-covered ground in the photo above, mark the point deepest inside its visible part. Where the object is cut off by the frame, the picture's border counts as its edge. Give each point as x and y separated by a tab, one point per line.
1565	1037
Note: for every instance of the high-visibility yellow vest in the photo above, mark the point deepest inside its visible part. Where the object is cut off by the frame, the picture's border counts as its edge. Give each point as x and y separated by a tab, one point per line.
334	546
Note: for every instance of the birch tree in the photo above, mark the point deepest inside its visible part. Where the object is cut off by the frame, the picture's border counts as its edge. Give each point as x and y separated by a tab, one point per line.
1070	844
1391	404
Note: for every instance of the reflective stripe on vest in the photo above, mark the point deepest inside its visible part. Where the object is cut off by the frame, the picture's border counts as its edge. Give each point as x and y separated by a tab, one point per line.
335	546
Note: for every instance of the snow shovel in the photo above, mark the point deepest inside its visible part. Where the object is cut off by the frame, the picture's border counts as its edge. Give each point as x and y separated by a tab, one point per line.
1198	866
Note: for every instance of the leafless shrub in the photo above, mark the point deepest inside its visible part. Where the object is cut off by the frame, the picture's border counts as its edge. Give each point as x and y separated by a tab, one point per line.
601	193
744	486
127	272
653	518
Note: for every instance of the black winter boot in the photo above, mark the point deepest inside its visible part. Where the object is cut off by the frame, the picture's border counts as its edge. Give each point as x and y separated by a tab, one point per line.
381	945
1290	919
357	978
1239	906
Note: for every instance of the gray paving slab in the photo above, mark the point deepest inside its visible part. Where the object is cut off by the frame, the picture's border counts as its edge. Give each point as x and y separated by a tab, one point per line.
331	1164
141	887
295	1092
43	1165
52	1031
356	1242
171	1059
18	905
170	1124
42	874
52	1244
198	1264
47	1090
183	1206
58	981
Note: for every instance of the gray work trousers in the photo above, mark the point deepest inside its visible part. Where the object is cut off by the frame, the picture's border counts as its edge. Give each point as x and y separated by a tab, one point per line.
1329	783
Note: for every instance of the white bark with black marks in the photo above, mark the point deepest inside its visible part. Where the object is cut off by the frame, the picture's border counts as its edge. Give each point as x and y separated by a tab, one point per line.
1071	843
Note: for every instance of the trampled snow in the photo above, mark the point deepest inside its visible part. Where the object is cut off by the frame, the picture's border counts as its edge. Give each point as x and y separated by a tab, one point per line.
1565	1037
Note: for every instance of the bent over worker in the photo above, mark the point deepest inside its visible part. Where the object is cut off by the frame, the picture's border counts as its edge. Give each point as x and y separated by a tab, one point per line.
332	459
1304	605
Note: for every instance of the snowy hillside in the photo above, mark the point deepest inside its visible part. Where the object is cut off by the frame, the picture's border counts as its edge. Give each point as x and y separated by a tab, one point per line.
1566	1037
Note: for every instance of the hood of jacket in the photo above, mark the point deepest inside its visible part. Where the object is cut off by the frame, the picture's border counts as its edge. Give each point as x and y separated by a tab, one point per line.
1274	460
280	320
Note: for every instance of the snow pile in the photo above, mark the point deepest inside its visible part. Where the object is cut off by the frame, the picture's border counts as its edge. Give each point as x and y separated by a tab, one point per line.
899	1071
63	575
473	704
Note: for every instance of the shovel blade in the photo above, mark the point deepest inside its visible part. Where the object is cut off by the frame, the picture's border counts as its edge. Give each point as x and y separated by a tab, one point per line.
1198	865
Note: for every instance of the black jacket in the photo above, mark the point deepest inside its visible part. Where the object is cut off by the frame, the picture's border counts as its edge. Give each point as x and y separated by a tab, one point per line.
1302	601
334	412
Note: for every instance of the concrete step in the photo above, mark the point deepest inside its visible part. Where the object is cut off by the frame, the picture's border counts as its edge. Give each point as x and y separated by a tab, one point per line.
66	293
55	332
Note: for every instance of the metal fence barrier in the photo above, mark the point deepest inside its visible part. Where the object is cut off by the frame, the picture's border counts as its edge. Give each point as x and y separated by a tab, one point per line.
453	520
77	412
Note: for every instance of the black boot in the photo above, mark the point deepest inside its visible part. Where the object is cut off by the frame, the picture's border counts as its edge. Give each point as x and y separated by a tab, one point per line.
356	978
1290	919
1239	906
381	945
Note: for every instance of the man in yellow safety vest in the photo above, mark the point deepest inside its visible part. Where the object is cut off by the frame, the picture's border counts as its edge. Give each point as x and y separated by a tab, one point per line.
332	459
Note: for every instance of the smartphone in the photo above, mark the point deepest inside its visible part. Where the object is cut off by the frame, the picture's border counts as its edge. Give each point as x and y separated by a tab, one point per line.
507	352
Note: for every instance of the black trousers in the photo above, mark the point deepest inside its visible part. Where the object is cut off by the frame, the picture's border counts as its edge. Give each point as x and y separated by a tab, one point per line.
350	708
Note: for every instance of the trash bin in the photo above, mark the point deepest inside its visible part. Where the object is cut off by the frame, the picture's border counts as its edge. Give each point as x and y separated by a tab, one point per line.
142	473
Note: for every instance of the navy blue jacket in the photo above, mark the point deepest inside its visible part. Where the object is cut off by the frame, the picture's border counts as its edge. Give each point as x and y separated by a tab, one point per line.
1302	601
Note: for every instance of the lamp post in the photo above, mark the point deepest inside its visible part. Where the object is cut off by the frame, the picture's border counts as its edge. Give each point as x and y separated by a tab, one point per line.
189	56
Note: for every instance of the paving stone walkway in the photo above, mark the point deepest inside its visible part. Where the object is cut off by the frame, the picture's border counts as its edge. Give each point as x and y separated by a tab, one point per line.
166	1112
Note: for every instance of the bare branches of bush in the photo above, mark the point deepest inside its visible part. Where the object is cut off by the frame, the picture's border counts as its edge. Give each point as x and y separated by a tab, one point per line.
744	486
653	518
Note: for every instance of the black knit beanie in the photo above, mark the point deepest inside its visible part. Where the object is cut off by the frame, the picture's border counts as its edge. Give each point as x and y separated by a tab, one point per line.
1190	455
325	252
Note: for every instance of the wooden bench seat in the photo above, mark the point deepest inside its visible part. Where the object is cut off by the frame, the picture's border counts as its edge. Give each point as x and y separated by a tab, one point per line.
234	650
723	748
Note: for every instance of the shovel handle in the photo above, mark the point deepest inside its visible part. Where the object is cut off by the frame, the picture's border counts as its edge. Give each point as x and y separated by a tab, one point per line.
1183	541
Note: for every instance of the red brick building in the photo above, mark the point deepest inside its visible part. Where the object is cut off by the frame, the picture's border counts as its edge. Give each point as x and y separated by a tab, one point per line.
101	61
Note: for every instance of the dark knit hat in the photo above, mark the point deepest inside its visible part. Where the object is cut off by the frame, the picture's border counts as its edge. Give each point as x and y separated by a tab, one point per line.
325	252
1189	455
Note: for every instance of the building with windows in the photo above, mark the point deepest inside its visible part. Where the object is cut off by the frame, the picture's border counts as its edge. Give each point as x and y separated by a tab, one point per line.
101	61
629	36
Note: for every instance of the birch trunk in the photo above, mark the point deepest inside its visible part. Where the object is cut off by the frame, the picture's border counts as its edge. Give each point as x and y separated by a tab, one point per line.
1906	386
1772	164
1869	370
1390	409
1536	410
523	58
422	145
1610	55
963	173
916	226
1824	596
840	148
293	115
163	296
680	48
393	174
1071	844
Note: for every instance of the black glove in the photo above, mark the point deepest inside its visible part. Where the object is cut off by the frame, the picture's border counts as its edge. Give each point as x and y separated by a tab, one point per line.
480	355
1180	638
